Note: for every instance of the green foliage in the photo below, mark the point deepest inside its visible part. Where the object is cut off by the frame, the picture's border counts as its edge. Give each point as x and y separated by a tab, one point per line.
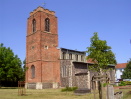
100	53
122	83
128	82
24	69
69	89
10	66
127	71
105	84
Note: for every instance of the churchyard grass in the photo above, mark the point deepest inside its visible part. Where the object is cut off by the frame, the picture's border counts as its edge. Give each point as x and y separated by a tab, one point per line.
126	93
12	93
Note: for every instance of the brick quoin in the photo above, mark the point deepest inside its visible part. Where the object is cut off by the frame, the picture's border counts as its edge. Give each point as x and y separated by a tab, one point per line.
41	50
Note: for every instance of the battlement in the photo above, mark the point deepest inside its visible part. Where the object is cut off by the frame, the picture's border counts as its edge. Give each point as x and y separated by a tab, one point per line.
43	10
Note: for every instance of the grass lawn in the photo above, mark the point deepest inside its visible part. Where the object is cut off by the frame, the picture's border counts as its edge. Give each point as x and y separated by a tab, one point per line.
12	93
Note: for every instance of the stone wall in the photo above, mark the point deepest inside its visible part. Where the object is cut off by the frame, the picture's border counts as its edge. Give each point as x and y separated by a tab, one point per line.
65	67
77	74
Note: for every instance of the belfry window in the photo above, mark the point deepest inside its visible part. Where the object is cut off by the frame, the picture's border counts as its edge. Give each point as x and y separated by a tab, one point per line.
47	24
33	25
32	71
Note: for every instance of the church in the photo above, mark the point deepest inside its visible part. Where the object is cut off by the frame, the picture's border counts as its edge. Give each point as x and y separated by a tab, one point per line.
50	66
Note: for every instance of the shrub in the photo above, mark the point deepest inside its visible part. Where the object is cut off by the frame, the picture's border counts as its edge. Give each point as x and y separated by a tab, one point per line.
122	83
69	89
105	84
128	82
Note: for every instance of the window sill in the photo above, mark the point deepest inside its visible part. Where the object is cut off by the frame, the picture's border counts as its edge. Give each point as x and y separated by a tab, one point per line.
47	32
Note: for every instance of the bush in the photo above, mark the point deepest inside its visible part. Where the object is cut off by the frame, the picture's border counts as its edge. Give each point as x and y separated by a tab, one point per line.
122	83
105	84
69	89
128	82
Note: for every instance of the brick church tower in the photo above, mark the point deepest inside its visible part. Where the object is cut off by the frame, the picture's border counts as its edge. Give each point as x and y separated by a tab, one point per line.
42	55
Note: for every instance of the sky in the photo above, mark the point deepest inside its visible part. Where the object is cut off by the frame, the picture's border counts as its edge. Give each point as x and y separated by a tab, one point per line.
77	21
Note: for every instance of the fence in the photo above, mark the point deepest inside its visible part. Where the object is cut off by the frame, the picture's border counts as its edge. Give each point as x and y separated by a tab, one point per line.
21	88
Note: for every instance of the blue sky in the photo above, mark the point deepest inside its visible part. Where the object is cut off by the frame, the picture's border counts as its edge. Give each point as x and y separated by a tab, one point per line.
77	21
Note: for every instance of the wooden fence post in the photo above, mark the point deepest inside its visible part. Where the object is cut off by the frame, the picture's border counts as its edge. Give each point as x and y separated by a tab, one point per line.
21	88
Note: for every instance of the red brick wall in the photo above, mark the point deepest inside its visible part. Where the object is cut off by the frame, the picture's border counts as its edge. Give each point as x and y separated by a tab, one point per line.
45	60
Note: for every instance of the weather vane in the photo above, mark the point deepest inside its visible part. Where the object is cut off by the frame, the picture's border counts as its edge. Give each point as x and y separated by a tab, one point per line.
44	5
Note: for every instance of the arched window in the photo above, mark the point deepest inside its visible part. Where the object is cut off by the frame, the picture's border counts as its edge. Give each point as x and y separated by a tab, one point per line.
33	25
47	24
32	71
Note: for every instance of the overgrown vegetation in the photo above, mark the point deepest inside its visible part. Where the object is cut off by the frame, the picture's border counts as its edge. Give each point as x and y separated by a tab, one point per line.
105	84
69	89
122	83
128	82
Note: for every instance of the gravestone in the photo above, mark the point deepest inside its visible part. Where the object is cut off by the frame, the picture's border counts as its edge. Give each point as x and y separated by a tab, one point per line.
110	90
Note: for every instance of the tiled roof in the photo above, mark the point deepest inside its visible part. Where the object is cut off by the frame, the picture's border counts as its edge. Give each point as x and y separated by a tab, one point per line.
90	61
121	65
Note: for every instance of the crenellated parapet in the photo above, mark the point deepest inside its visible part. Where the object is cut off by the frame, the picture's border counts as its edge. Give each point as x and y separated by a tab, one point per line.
43	10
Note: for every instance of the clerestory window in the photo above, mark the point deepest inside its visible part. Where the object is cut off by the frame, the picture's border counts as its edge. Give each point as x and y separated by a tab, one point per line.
82	58
70	56
76	56
64	55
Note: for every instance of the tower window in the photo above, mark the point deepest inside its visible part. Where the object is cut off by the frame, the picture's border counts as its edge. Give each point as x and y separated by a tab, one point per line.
34	25
32	71
47	24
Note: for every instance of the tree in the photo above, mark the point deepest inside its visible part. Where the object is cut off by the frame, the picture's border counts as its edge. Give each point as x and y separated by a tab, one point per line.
24	69
127	71
100	54
10	67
